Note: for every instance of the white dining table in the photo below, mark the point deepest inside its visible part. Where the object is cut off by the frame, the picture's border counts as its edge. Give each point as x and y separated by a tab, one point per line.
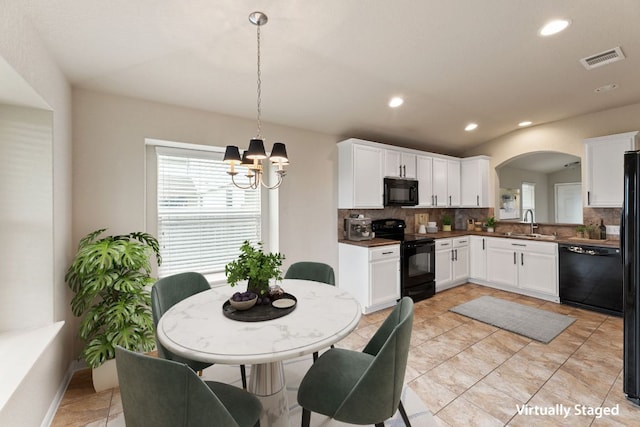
196	328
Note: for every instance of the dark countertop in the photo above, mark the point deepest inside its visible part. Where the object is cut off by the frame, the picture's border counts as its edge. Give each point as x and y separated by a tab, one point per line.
457	233
376	241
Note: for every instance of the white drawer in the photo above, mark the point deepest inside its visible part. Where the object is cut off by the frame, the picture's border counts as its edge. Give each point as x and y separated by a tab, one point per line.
523	245
384	252
444	244
460	242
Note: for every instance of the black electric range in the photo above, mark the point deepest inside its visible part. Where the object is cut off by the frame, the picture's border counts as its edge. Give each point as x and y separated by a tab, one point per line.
417	259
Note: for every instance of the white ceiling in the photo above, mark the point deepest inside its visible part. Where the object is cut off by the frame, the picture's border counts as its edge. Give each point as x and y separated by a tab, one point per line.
332	65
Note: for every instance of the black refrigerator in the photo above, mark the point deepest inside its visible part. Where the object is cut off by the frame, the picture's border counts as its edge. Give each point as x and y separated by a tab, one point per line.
630	248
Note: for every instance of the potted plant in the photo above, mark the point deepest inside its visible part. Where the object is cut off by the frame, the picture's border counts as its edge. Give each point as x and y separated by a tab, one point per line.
491	224
446	222
580	231
255	266
110	278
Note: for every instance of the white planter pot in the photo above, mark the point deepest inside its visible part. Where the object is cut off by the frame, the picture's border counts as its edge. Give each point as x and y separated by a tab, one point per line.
105	376
490	229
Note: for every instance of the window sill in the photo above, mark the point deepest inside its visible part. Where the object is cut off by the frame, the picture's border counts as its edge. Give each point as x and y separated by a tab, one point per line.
19	352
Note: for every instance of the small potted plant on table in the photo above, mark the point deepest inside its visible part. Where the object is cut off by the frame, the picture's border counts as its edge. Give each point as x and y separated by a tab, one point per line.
257	267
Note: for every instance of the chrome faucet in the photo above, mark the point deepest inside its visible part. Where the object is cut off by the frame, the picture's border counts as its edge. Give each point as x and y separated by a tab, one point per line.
527	212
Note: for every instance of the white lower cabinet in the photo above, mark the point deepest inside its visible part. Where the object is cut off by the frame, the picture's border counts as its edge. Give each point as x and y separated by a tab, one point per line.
371	275
452	262
478	257
523	266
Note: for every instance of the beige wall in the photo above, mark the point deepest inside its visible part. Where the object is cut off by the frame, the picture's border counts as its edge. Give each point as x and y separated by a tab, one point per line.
109	133
562	136
20	47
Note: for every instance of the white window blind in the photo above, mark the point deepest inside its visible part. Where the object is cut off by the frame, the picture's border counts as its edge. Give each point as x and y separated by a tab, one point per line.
202	217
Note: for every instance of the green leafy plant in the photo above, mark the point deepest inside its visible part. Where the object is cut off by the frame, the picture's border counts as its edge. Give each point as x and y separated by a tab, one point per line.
256	266
110	278
446	219
491	222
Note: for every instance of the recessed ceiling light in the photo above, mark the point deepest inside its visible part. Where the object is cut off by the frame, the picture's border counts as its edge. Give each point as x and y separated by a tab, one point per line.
606	88
471	126
554	27
525	123
395	102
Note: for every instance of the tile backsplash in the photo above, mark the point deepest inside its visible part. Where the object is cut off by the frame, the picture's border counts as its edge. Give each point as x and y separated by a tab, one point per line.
591	216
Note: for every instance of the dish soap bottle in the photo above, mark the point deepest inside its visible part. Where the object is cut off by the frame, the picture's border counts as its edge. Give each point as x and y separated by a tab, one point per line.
603	230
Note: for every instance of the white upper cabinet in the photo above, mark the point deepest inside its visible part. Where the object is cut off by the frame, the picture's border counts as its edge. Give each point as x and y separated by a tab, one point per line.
360	175
443	181
439	182
604	158
474	182
453	182
399	164
424	174
446	182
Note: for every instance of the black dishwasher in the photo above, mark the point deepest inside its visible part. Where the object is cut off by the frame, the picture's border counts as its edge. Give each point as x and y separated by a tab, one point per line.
591	277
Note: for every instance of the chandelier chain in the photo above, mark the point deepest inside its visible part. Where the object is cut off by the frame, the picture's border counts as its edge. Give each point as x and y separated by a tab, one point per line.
259	90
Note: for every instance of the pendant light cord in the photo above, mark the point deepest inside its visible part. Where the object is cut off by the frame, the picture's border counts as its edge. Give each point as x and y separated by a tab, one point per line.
258	136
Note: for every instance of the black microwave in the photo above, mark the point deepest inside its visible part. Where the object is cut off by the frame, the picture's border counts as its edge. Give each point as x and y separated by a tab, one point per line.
400	192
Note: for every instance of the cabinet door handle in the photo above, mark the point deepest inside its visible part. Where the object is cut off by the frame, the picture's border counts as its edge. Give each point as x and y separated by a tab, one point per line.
432	200
515	260
404	171
449	200
400	170
588	198
483	244
436	196
521	259
387	253
452	259
456	251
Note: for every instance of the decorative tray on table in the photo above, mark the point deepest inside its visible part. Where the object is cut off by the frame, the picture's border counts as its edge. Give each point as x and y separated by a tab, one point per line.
259	313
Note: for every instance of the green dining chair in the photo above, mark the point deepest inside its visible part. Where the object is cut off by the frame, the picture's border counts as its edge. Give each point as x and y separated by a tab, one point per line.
308	270
362	387
162	393
314	271
169	291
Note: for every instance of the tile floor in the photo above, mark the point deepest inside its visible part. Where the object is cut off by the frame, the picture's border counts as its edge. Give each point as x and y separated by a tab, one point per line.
469	373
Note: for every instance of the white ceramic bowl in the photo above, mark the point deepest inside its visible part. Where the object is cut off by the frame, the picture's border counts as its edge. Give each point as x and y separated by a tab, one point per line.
243	305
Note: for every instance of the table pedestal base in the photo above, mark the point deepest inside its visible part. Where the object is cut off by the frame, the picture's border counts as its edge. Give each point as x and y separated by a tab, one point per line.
267	383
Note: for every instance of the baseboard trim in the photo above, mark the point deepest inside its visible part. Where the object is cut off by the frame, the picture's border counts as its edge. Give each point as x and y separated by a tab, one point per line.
74	366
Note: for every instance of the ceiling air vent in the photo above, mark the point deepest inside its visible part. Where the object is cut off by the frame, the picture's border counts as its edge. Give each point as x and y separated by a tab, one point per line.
603	58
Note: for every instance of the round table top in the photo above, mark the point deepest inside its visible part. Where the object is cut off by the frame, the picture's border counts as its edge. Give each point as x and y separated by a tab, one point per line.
197	329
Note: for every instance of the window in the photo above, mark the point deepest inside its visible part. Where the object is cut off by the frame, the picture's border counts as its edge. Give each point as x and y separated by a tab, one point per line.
202	218
528	198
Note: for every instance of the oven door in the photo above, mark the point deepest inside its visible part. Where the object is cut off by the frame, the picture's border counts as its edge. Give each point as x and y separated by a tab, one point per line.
418	273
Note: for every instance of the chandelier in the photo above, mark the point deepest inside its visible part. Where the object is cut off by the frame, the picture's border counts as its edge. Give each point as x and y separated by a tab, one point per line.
254	156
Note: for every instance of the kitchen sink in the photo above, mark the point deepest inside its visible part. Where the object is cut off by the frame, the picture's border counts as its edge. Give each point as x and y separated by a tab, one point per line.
535	236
